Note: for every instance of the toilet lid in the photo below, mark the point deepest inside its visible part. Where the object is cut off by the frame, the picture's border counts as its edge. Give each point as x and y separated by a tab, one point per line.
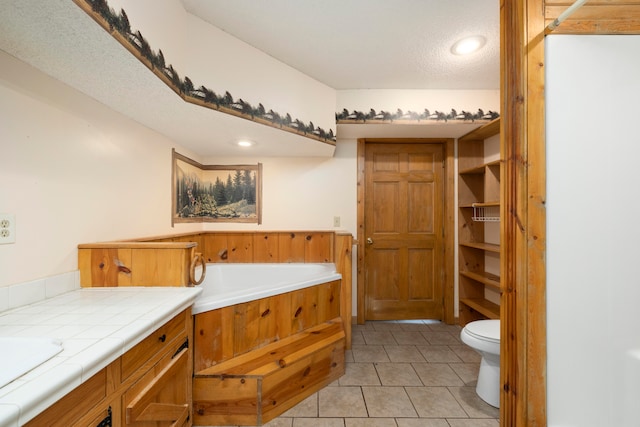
488	330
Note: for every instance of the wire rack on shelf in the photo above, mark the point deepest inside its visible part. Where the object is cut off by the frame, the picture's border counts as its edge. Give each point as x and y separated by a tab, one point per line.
486	212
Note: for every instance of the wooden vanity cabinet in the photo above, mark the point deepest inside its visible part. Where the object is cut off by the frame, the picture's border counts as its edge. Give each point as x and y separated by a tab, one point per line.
148	386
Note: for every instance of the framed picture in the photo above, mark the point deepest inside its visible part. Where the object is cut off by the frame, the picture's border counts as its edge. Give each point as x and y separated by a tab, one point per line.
215	193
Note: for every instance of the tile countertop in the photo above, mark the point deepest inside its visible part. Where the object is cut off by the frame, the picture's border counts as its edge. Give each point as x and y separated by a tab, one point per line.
95	325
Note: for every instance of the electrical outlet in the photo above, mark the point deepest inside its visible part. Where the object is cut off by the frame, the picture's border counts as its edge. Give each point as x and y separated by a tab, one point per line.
336	221
7	229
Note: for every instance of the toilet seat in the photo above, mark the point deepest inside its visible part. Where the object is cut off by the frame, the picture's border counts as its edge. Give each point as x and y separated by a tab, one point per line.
486	330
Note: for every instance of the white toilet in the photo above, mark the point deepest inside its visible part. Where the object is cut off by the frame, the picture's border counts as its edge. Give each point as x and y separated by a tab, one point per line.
484	337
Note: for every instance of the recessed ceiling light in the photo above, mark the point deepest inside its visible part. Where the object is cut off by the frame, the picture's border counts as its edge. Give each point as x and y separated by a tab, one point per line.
468	45
245	143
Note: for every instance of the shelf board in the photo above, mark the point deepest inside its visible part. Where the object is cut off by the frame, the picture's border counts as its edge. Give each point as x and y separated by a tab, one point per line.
483	132
485	204
482	306
488	279
478	170
490	247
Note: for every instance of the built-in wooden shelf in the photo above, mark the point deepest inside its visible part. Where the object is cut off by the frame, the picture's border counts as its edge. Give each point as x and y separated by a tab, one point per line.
489	247
488	279
485	307
479	197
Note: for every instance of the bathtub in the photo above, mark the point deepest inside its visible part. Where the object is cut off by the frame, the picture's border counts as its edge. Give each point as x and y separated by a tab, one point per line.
229	284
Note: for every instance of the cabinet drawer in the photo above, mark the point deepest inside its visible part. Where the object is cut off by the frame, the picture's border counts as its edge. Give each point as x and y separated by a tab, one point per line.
146	353
68	410
162	394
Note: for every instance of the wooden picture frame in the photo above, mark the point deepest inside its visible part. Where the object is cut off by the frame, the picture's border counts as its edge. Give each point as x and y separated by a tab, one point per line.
214	193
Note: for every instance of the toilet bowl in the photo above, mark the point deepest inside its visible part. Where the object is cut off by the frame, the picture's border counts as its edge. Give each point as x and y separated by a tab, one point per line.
484	337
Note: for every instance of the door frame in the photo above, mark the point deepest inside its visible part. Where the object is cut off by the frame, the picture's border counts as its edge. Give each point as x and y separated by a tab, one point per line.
448	218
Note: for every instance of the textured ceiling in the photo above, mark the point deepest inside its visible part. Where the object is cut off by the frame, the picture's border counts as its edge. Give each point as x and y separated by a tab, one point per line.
368	44
356	44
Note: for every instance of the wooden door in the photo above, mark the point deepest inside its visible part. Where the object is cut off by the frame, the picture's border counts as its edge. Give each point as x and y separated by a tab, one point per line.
403	230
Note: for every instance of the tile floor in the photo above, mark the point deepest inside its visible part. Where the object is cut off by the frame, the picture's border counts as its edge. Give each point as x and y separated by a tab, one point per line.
400	374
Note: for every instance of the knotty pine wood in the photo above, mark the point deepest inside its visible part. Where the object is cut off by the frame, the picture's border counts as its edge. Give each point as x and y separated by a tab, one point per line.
257	386
88	403
98	267
229	332
595	17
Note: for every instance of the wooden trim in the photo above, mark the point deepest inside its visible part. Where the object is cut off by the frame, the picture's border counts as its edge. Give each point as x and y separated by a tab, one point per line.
360	234
523	303
449	221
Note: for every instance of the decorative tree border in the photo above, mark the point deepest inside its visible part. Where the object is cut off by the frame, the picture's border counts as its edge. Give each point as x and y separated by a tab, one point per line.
214	193
118	25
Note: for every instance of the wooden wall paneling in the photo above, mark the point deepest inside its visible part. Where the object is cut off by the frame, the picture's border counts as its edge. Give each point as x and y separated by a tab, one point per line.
255	324
104	267
213	337
595	17
240	247
265	247
318	247
449	234
523	370
533	294
291	247
159	267
328	301
344	264
216	247
304	309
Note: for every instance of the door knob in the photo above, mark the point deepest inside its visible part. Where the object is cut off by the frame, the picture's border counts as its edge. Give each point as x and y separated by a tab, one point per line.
369	241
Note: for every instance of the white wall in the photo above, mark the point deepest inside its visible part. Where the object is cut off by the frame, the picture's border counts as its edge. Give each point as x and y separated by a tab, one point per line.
593	322
215	59
74	171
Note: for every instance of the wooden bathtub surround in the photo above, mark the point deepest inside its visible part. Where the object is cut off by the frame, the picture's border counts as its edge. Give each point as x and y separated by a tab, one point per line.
256	387
255	360
167	260
135	263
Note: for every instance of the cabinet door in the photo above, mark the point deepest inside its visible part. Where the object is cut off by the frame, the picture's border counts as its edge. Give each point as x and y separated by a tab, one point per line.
161	397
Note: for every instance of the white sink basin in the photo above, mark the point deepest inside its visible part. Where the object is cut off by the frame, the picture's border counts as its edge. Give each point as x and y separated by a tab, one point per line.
19	355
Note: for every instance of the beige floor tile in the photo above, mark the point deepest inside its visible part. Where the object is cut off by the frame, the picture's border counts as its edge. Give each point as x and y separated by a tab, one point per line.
466	353
348	356
418	327
435	402
422	422
472	404
409	338
468	372
473	423
443	327
279	422
439	354
379	338
388	402
357	338
359	374
341	402
397	374
441	338
369	353
403	353
359	328
383	325
370	422
318	422
306	408
437	374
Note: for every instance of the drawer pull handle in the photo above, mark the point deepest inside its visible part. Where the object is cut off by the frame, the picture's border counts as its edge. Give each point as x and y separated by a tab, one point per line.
162	338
